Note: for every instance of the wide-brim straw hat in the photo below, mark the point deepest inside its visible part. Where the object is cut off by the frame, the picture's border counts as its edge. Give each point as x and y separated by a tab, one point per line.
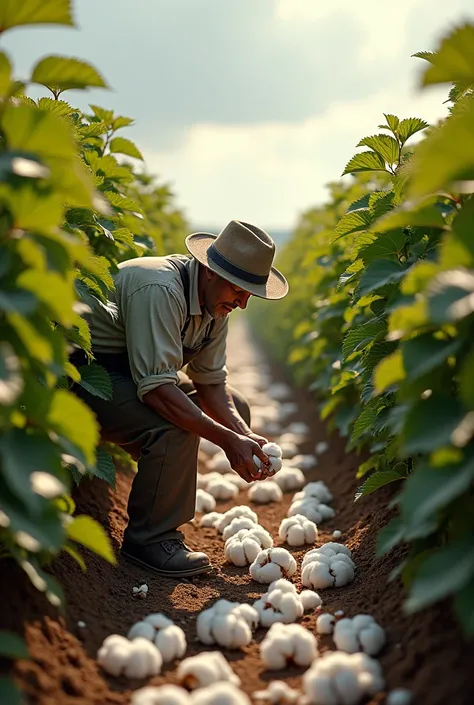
243	254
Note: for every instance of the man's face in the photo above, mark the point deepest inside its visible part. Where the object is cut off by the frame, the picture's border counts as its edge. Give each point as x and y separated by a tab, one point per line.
221	297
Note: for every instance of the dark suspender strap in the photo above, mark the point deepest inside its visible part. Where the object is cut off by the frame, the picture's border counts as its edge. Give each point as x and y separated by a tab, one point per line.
184	275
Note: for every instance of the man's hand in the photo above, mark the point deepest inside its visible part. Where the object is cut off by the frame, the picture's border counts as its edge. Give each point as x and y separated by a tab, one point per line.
258	439
240	451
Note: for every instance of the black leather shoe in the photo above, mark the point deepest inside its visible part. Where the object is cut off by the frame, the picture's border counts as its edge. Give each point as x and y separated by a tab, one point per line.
170	558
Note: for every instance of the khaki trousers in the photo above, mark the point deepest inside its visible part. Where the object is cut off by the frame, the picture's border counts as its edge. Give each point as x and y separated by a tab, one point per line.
163	493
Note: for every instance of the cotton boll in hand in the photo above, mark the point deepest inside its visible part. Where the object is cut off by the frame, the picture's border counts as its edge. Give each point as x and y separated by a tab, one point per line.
274	453
205	668
205	502
298	530
219	694
361	633
160	695
265	492
288	643
271	564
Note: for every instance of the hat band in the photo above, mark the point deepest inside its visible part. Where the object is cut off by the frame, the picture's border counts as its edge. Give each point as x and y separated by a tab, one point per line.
230	268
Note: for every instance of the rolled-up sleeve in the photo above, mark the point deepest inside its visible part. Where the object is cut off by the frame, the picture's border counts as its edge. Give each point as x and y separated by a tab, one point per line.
153	317
209	366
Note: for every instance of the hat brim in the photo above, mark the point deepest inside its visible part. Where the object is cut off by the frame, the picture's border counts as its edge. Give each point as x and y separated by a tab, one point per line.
276	286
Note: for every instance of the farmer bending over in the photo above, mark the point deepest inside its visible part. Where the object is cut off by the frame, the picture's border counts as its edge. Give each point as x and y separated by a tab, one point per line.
167	313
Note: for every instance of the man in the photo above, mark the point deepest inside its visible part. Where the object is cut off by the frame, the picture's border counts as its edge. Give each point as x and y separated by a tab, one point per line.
167	313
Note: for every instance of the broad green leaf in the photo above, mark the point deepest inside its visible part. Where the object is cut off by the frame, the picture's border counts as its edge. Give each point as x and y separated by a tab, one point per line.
424	353
63	73
408	213
445	155
385	145
410	126
12	646
352	222
9	693
73	419
86	531
11	381
376	481
34	533
125	146
388	372
362	202
407	318
464	608
58	107
389	245
444	572
37	345
392	121
122	202
451	296
462	226
426	55
14	13
121	121
430	489
454	60
105	467
366	420
96	380
102	114
389	536
53	291
380	273
466	382
364	161
5	74
430	423
40	132
77	557
361	336
380	202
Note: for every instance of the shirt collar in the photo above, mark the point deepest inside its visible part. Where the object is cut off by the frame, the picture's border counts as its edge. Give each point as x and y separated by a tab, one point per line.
194	306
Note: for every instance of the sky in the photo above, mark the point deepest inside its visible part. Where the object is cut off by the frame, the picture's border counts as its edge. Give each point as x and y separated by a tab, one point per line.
247	108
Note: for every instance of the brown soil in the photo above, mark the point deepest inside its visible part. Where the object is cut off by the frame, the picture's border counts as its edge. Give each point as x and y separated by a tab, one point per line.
425	652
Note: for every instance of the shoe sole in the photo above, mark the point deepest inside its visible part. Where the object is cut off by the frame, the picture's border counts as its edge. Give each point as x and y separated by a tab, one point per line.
167	573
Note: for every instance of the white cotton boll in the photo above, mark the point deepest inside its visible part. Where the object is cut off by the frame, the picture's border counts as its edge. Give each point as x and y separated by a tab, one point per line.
243	547
271	564
281	603
171	642
237	524
321	447
265	492
248	613
222	489
310	600
144	660
399	696
219	694
329	565
158	620
226	625
362	633
288	449
142	629
202	481
283	585
288	643
338	678
336	534
211	519
277	693
160	695
236	480
209	448
204	669
289	479
205	502
298	530
311	509
319	490
273	450
331	548
240	510
302	461
325	623
114	654
220	463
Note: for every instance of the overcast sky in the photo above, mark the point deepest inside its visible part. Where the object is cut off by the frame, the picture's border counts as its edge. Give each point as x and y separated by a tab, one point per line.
249	107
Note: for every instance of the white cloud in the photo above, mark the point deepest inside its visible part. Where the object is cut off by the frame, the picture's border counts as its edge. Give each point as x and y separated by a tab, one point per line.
269	173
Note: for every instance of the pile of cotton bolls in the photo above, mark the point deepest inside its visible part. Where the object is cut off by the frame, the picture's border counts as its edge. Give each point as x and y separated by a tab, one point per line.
285	644
243	547
272	564
228	624
283	603
312	502
337	678
169	638
330	565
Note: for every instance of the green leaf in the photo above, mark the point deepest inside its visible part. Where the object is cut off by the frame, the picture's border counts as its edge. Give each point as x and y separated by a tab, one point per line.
121	121
124	203
52	290
430	423
392	121
12	646
63	73
86	531
380	273
14	13
385	246
445	155
124	146
364	161
462	226
380	202
446	571
384	145
105	467
451	296
77	557
454	60
9	693
389	536
466	382
351	223
361	336
420	214
377	480
37	345
5	74
40	132
430	489
11	381
424	353
96	380
70	417
409	127
362	202
388	372
366	420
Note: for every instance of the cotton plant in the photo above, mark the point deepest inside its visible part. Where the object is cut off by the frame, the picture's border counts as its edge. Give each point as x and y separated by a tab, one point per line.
289	479
330	565
167	694
312	509
337	678
205	669
228	624
286	644
298	530
243	547
282	603
236	525
265	492
167	636
361	633
211	519
240	510
205	502
222	489
272	564
274	453
136	658
276	693
220	693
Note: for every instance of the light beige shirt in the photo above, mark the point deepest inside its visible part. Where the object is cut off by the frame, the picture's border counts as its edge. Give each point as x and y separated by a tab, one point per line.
146	315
